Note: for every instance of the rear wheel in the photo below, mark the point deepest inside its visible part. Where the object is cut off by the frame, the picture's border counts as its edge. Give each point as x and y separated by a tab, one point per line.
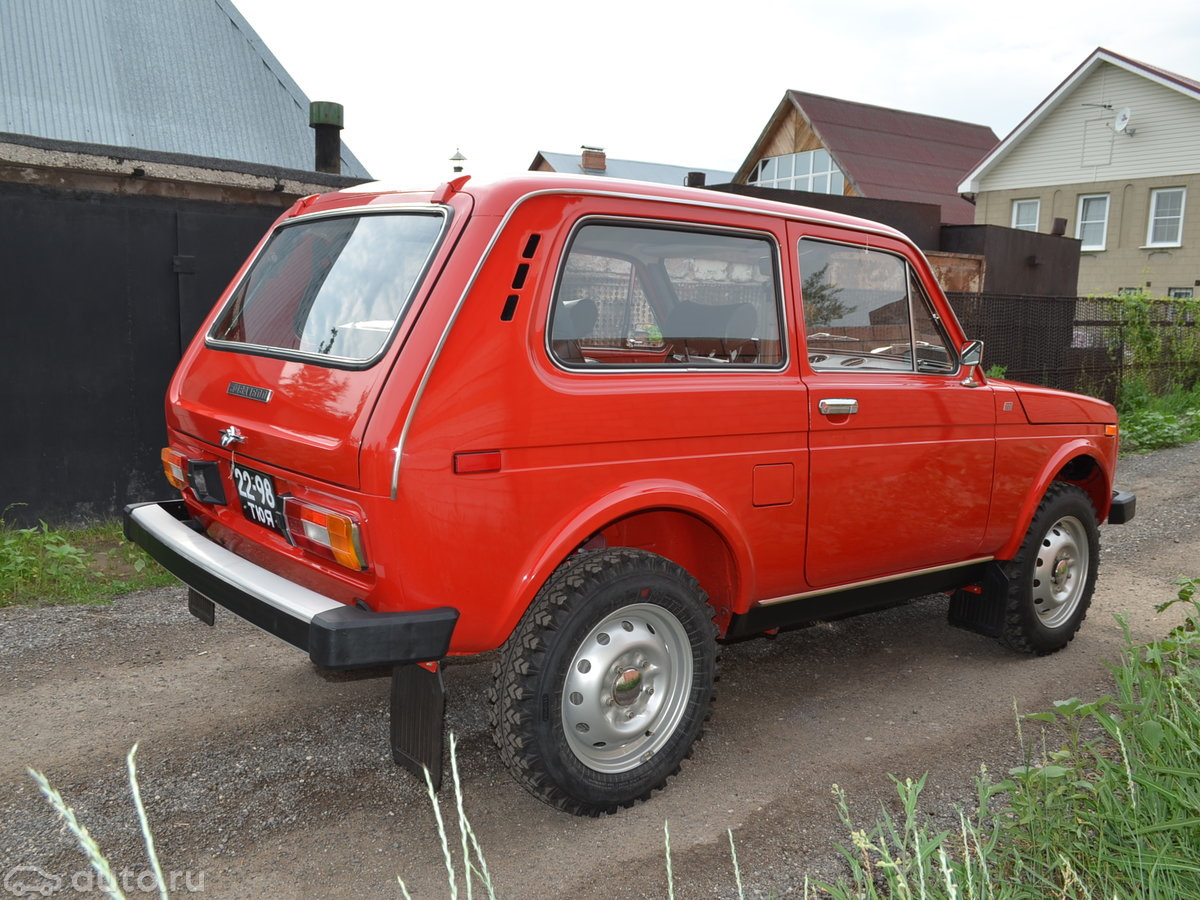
604	687
1054	573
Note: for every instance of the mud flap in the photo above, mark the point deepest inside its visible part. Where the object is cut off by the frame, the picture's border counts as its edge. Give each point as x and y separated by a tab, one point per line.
981	607
418	711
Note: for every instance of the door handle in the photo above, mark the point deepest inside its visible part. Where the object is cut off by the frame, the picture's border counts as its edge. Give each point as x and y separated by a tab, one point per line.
839	406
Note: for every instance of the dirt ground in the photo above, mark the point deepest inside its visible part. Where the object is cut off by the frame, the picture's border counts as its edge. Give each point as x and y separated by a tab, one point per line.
264	777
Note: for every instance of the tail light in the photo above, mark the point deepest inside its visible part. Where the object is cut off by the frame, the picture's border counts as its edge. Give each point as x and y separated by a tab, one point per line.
327	533
175	466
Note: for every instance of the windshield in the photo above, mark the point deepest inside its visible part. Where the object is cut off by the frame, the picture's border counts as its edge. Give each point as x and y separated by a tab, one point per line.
331	288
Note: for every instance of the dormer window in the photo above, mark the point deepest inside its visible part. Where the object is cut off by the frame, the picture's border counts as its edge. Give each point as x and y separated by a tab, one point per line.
812	170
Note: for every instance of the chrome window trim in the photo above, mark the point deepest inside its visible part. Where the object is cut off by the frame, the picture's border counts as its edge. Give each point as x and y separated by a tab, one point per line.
659	368
886	579
334	362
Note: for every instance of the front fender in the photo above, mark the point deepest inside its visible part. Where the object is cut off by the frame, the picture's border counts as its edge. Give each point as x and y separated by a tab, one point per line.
1101	499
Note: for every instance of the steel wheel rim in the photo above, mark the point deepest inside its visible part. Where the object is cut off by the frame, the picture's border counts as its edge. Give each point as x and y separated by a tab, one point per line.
627	688
1060	571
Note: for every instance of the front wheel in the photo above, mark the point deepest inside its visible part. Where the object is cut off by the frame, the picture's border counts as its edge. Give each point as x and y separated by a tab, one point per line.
604	687
1054	573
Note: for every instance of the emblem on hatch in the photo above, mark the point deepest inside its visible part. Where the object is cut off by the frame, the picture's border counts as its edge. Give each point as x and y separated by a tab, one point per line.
231	435
249	391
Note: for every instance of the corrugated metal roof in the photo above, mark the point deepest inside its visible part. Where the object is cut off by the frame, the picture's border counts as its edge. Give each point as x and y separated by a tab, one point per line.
176	76
659	173
890	154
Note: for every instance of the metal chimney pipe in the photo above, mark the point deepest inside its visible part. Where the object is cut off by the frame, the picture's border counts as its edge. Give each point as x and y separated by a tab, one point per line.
327	119
695	179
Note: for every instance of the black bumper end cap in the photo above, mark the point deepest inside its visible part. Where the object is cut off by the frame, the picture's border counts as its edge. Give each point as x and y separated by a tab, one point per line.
351	637
1124	506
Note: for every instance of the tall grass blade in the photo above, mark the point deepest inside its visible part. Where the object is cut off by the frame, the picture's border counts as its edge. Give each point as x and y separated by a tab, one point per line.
670	874
108	881
737	871
136	790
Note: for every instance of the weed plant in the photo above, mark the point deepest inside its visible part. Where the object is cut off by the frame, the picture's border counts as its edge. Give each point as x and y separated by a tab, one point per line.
1107	804
1150	422
40	564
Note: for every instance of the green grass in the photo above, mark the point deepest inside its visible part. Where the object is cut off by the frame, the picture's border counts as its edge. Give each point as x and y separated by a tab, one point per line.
1152	423
1107	804
40	565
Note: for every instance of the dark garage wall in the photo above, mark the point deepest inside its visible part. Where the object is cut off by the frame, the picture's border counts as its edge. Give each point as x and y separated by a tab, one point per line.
100	294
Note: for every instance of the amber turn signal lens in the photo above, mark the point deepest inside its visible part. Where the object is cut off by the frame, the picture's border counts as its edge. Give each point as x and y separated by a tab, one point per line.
175	466
324	532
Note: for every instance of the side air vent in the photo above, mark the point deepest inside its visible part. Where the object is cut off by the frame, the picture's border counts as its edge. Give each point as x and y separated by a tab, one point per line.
518	282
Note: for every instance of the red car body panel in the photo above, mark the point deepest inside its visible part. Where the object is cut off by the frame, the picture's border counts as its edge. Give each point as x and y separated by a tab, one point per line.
475	462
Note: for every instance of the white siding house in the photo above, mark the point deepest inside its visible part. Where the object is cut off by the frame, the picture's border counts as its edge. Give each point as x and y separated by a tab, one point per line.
1114	151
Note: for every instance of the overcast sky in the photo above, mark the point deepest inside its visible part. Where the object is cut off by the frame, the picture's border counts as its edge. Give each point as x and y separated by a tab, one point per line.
685	83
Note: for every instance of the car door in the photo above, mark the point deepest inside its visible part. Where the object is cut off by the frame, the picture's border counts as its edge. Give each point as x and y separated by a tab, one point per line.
902	441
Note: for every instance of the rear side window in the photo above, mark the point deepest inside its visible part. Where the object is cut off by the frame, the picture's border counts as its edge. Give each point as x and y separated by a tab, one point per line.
866	310
333	289
650	295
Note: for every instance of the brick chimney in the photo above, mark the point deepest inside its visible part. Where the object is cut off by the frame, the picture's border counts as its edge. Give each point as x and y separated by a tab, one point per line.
593	159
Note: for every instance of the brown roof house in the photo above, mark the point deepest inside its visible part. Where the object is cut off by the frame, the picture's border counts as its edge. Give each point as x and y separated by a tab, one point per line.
830	146
1111	157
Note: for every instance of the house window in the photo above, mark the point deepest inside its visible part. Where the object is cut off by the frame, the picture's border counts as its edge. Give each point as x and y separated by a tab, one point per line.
1166	217
1180	293
1092	229
812	170
1025	214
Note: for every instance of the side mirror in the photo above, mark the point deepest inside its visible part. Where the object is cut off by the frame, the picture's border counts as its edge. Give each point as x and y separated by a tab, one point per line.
971	354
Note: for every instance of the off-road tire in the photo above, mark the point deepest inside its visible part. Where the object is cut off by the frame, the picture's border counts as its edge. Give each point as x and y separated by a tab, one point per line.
604	687
1052	577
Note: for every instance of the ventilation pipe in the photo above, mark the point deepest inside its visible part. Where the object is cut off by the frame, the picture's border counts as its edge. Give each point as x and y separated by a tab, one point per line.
327	119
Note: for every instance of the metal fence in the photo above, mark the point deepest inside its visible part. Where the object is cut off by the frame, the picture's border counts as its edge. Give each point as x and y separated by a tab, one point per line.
1091	345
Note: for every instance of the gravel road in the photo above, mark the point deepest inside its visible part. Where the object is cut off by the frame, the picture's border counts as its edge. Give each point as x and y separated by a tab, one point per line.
264	777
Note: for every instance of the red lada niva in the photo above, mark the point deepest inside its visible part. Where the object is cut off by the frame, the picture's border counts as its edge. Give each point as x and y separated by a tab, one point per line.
601	426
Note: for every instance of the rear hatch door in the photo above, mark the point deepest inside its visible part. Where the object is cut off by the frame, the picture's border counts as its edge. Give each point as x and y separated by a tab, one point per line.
289	367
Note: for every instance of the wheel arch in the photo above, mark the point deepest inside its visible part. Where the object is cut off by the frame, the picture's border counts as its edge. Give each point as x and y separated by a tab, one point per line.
671	519
1079	462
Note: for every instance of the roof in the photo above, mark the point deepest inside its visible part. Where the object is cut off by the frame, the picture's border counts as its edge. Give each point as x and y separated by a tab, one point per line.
499	196
890	154
659	173
1100	56
189	76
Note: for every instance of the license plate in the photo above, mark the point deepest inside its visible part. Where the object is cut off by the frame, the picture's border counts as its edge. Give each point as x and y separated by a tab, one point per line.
260	503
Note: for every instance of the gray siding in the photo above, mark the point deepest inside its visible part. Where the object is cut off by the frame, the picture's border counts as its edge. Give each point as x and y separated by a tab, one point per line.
1076	144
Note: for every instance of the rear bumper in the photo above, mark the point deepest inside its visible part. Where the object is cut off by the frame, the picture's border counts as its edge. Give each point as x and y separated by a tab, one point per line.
1124	505
335	636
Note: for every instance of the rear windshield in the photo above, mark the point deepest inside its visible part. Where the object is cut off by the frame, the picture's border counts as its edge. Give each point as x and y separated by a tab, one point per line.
331	288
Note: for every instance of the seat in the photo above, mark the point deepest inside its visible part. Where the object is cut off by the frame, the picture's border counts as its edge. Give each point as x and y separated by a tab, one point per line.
722	332
573	321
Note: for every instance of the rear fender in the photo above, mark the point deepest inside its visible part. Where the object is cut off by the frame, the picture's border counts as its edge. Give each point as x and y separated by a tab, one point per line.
670	518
